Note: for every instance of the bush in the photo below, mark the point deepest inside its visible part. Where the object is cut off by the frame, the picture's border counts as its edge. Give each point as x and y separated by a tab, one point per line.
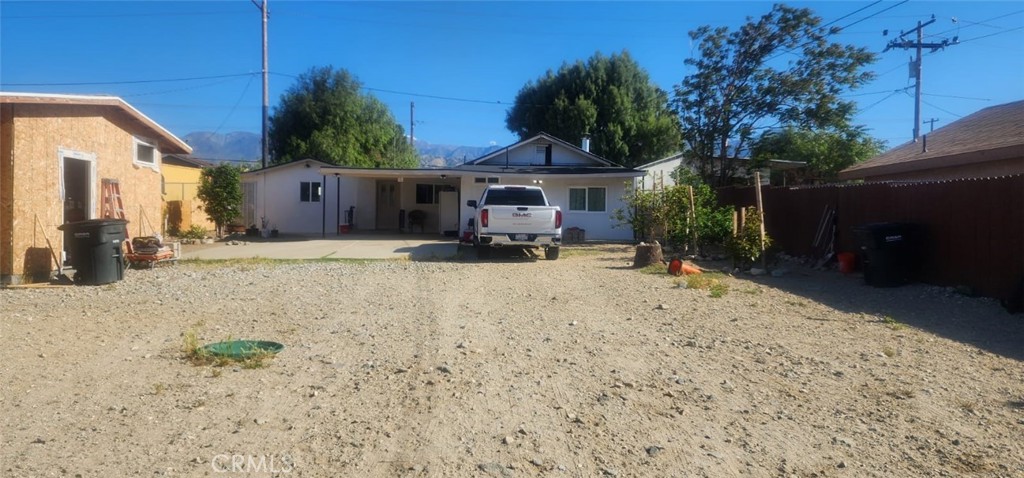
745	247
196	232
663	214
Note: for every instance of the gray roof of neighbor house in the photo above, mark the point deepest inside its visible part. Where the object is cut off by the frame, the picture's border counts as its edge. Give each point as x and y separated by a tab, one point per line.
168	142
992	134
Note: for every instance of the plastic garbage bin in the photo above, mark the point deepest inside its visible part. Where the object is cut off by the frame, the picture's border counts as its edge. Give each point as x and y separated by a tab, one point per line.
891	252
94	250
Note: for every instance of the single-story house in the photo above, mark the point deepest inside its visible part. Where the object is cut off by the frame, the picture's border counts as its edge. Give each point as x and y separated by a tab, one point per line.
988	143
180	189
56	152
309	196
294	198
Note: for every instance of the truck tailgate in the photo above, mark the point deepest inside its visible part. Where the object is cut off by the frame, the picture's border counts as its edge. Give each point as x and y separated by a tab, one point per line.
521	219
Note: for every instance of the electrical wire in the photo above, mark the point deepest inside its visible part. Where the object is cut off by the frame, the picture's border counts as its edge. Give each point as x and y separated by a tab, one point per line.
992	34
233	108
957	97
894	93
129	82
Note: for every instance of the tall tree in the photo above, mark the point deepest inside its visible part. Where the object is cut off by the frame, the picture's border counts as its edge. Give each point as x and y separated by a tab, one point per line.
779	69
220	189
826	152
323	116
610	98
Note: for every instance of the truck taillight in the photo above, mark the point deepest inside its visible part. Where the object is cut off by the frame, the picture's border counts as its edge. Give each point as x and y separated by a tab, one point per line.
558	219
483	218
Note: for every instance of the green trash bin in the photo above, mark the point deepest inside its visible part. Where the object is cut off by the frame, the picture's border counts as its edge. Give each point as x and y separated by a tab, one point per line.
94	249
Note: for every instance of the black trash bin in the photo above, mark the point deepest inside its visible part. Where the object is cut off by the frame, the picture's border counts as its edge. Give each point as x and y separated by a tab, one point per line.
892	252
94	249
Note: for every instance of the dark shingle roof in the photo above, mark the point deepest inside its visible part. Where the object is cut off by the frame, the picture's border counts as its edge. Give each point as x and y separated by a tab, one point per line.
996	129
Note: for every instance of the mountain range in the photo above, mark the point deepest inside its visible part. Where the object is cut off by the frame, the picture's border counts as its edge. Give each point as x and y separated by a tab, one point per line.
245	147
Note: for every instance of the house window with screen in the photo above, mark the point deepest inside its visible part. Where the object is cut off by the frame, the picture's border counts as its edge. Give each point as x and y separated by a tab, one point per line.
587	199
491	180
309	191
145	154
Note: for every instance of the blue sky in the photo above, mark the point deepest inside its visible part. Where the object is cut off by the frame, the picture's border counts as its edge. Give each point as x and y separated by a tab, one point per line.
462	63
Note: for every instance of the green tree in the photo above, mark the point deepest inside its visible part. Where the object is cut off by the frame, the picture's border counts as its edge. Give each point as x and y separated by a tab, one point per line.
779	69
220	189
826	152
323	116
610	98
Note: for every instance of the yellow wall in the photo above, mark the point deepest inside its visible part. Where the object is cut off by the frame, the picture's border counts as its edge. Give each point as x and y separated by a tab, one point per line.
181	183
36	135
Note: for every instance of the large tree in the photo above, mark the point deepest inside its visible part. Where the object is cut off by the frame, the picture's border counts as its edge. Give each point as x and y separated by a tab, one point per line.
610	98
776	70
324	116
220	189
826	152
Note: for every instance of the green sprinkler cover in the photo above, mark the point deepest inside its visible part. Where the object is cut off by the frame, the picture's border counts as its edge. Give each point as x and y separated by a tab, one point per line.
242	349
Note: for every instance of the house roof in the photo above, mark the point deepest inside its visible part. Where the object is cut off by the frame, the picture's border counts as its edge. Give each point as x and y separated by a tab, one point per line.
992	134
308	162
541	136
168	142
186	161
590	172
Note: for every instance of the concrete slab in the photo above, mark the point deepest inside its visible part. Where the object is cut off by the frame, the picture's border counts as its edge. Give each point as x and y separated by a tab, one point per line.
348	246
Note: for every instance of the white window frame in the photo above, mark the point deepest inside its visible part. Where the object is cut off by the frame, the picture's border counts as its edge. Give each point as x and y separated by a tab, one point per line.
319	192
155	163
586	199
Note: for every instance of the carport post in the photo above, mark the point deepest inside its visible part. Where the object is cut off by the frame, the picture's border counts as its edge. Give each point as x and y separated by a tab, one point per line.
337	206
323	207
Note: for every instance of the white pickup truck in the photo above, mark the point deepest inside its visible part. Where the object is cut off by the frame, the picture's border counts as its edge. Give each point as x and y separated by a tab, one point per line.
516	216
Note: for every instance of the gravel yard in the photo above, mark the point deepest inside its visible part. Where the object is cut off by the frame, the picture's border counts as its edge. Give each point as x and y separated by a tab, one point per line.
579	367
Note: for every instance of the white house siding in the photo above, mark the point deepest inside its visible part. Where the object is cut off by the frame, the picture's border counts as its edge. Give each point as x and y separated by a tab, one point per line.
598	225
659	173
278	198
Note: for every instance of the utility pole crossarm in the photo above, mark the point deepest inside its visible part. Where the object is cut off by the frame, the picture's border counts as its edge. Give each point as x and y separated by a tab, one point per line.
917	45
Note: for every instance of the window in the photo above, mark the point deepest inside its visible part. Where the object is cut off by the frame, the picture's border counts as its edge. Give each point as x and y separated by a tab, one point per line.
145	154
491	180
587	199
309	191
424	194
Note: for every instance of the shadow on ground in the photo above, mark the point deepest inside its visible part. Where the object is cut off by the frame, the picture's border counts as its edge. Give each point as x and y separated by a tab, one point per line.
979	322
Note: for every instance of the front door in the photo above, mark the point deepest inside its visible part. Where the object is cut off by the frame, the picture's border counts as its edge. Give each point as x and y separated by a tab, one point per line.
387	205
448	210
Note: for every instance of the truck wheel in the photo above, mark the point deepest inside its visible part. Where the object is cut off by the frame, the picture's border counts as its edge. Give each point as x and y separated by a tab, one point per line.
551	253
483	252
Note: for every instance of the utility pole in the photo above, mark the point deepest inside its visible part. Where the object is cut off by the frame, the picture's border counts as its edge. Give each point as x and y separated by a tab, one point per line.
266	94
915	64
931	124
412	123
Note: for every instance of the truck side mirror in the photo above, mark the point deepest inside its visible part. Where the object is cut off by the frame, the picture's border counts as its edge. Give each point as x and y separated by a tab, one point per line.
471	203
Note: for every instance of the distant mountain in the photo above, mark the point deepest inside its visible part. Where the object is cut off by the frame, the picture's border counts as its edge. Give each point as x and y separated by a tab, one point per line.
237	146
242	146
444	156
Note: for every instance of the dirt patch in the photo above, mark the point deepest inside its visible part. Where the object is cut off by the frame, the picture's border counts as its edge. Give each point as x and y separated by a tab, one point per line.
512	367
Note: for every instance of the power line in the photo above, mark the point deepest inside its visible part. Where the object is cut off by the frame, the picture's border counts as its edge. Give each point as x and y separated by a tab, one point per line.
958	97
233	108
129	82
992	34
118	15
881	100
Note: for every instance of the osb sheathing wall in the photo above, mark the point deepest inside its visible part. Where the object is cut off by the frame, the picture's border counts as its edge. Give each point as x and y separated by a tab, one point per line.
39	132
6	190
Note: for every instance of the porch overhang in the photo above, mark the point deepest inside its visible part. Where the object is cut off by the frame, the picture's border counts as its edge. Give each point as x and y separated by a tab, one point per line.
560	173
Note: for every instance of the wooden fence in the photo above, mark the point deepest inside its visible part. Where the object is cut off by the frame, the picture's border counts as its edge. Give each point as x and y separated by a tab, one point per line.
974	228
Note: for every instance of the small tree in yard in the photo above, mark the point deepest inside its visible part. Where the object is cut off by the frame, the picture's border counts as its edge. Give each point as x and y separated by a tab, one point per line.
220	189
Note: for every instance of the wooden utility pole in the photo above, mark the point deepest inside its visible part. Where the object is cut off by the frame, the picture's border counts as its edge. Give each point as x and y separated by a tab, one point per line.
412	123
915	63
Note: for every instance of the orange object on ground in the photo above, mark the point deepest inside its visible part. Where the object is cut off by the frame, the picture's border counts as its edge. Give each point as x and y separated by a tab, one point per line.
847	262
688	269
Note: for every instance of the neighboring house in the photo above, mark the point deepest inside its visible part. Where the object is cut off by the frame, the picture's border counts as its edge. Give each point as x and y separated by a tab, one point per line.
659	173
56	150
988	143
295	199
184	209
588	189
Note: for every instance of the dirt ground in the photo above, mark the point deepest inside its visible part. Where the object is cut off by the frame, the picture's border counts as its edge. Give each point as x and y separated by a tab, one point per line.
579	367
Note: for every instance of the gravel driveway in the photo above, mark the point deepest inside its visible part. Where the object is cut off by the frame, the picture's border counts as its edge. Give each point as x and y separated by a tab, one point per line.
578	367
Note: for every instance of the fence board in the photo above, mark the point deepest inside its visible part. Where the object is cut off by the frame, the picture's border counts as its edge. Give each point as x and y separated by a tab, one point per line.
974	227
